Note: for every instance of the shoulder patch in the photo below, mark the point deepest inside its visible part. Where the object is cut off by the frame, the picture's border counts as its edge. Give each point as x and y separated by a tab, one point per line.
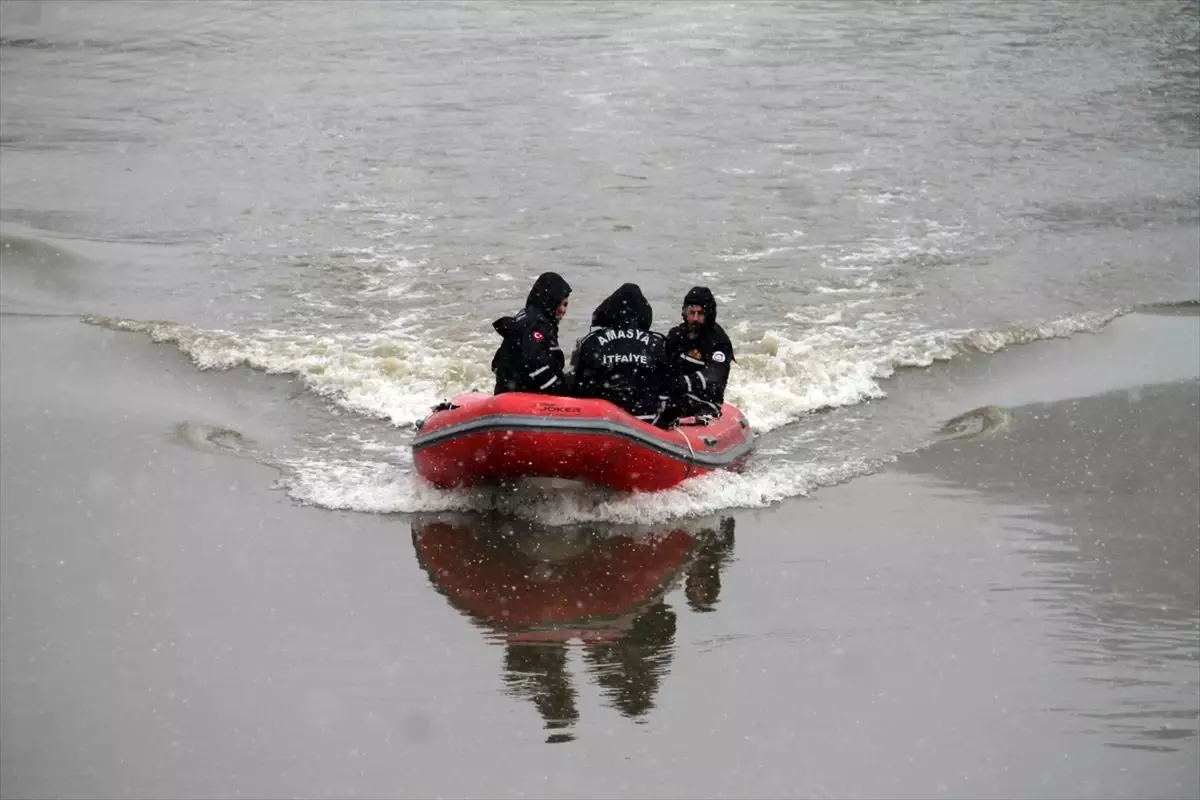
718	356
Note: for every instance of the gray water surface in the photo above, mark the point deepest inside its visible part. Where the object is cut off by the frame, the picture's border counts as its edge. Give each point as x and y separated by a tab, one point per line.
289	226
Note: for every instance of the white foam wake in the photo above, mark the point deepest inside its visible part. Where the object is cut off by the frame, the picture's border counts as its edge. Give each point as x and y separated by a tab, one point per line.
380	375
780	374
780	377
374	487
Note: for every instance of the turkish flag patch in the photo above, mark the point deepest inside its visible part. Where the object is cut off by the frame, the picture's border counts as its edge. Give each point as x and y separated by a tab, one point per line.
538	336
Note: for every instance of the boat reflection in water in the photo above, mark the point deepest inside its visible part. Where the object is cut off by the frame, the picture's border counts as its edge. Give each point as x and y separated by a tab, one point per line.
539	591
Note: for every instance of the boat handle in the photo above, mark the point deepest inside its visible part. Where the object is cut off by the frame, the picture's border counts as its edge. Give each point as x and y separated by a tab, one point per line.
688	442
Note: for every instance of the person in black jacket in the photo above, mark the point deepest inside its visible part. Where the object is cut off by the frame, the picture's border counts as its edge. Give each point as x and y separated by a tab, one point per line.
529	359
621	360
699	353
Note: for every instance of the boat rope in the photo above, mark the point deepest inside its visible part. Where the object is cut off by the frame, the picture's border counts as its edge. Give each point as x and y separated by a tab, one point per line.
691	451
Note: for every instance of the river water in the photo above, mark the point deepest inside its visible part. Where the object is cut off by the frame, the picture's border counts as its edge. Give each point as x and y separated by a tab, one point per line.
346	194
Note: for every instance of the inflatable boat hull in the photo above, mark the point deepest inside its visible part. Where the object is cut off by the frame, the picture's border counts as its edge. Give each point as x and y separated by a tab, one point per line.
480	439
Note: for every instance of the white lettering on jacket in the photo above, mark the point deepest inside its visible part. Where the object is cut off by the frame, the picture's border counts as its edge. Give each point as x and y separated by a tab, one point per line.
626	333
626	359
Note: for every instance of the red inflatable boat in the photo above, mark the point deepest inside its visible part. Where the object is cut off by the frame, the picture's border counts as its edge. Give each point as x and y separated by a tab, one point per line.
477	439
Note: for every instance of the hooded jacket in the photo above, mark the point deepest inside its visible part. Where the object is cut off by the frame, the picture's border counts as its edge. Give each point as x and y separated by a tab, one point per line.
529	358
699	358
621	360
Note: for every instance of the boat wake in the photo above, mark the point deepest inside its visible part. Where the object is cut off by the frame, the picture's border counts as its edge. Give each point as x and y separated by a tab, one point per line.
780	380
382	488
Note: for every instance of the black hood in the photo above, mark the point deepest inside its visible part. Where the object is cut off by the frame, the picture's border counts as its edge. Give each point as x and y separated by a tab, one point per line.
548	291
703	297
627	307
506	326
